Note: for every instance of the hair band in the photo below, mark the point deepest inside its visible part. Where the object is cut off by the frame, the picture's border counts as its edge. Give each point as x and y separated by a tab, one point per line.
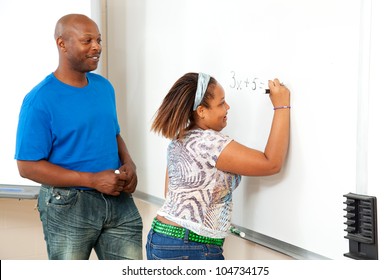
203	81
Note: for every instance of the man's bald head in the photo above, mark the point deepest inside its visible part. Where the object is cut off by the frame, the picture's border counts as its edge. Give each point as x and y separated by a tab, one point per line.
69	22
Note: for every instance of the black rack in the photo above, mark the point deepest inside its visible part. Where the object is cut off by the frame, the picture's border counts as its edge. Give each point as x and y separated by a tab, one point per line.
361	227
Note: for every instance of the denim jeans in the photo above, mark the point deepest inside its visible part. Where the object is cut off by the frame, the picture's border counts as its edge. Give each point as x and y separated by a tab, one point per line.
163	247
76	221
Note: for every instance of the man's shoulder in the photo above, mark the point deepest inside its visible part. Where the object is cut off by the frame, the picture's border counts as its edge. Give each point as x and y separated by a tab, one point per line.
41	87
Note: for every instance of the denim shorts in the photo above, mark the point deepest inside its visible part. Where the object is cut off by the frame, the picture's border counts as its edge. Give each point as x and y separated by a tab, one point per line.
77	221
163	247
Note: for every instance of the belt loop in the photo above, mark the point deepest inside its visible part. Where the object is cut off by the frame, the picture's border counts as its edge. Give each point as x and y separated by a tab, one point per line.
186	234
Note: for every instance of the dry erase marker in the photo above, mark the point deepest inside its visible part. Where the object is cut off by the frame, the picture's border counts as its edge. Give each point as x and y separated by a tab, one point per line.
267	91
237	231
117	172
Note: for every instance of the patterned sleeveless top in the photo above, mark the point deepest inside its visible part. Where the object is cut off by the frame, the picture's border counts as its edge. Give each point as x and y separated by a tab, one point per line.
199	195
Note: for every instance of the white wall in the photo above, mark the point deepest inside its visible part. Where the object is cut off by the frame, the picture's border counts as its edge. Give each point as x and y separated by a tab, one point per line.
29	54
378	152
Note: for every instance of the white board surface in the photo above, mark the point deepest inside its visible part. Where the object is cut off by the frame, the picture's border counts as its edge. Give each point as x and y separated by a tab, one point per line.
312	46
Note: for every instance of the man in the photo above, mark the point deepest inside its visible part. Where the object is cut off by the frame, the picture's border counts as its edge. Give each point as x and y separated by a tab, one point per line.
69	141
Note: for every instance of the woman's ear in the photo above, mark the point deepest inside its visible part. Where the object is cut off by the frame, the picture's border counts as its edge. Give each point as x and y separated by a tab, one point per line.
200	111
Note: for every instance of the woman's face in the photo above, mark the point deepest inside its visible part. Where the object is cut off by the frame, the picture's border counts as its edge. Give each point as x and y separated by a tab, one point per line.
215	117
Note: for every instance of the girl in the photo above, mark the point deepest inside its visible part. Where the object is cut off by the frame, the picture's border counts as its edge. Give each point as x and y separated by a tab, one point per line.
204	166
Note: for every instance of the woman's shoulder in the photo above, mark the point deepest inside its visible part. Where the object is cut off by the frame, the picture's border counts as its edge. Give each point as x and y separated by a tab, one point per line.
215	134
206	136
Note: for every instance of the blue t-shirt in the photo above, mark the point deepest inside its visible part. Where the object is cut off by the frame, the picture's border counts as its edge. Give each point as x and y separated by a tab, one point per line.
72	127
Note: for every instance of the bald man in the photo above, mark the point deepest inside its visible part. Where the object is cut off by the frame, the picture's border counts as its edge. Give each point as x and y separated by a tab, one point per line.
69	141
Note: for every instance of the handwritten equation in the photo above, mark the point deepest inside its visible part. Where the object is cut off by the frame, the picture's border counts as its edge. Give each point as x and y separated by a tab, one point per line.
252	84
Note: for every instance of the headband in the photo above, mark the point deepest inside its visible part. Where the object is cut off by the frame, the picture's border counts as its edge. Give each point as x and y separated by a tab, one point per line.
203	81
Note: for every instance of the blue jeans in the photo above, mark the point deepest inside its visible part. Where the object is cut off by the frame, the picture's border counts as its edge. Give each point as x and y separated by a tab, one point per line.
76	221
163	247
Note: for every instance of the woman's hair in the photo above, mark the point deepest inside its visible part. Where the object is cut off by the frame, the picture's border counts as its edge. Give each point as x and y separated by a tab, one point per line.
176	115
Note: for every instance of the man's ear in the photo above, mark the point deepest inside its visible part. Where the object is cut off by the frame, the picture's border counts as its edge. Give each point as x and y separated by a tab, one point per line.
60	43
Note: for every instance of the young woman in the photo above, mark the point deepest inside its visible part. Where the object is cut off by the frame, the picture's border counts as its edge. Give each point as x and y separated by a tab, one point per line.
204	166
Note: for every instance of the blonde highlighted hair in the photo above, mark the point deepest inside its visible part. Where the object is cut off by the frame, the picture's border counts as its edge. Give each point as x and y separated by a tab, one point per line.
175	115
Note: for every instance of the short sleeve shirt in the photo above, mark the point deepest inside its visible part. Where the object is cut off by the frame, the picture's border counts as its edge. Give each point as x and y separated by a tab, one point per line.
72	127
199	195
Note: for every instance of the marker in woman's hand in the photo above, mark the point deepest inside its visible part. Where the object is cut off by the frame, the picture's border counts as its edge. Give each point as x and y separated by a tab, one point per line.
117	172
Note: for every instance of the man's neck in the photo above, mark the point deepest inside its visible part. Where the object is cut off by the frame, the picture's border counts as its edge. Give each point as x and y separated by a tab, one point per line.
76	79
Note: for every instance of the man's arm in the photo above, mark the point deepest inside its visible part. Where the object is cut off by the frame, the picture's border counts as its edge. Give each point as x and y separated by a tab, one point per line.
46	173
128	166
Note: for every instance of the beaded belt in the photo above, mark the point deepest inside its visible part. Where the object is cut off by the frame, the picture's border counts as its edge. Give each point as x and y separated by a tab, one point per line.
179	232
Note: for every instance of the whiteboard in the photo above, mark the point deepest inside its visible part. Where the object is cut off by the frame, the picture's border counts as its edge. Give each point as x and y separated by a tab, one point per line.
312	46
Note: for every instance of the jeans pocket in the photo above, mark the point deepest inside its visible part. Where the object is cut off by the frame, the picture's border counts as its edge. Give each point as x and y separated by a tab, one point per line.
214	252
62	197
162	247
